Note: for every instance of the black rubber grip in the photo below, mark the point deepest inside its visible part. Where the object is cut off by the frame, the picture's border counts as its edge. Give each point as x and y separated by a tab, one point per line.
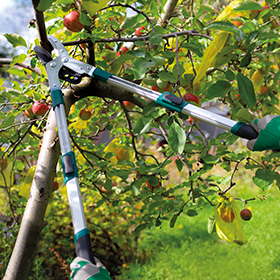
68	164
248	132
83	248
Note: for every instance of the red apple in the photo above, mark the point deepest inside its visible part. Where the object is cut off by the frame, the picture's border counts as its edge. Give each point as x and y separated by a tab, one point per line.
55	186
191	97
174	159
153	187
128	105
227	214
236	22
167	88
140	31
264	90
191	119
29	114
3	164
123	50
162	143
40	108
246	214
72	21
85	114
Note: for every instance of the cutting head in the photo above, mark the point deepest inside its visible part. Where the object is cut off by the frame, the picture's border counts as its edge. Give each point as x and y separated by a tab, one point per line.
61	53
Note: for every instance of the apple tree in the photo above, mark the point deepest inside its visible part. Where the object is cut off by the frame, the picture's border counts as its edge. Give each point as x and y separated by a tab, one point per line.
139	164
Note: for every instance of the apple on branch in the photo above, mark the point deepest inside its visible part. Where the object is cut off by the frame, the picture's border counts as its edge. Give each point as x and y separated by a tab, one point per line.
128	105
85	114
140	31
122	51
40	108
29	113
72	21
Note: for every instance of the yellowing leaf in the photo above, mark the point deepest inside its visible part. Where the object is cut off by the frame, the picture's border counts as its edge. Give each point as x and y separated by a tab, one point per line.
227	13
122	151
210	53
6	177
24	188
92	6
78	124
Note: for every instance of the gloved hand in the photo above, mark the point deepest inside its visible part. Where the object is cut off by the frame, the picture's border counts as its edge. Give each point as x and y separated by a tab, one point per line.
83	269
268	128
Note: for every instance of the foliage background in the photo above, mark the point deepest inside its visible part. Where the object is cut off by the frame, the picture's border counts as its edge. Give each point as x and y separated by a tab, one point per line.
118	203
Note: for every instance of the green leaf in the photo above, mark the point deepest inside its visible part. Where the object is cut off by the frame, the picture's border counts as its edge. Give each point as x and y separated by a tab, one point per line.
247	6
246	60
218	89
179	164
141	66
140	228
194	47
18	59
135	187
17	72
173	220
230	75
44	5
243	115
176	138
210	159
130	21
211	225
264	178
246	90
84	19
223	25
191	212
142	125
155	39
93	6
15	40
167	76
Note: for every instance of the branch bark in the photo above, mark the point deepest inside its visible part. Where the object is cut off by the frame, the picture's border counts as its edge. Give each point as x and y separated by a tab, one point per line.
33	219
168	10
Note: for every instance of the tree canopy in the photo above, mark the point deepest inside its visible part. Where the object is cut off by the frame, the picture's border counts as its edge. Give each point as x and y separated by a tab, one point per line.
139	164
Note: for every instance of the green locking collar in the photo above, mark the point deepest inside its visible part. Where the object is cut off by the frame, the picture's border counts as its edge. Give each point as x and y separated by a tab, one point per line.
171	101
57	97
101	75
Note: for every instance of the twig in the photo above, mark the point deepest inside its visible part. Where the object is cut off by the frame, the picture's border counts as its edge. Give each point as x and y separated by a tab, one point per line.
134	39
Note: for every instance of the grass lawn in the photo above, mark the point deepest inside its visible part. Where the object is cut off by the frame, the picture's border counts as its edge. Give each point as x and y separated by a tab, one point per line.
188	252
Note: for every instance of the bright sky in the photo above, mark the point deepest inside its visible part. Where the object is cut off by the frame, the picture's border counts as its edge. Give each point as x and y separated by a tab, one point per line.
15	17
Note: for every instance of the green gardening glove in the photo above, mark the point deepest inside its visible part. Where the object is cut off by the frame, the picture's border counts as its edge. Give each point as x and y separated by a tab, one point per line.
268	128
83	269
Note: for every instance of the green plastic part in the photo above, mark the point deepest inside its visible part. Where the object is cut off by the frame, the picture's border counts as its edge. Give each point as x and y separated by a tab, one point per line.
81	233
269	137
171	101
236	127
101	75
57	97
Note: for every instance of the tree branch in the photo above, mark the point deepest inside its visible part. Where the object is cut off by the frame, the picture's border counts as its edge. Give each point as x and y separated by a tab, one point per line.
168	10
7	61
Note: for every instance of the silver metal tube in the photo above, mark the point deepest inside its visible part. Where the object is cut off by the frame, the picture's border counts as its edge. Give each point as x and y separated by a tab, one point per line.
132	87
76	204
62	129
209	117
190	110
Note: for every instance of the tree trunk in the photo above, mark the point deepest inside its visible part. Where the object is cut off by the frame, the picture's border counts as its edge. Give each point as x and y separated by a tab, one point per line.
33	219
168	10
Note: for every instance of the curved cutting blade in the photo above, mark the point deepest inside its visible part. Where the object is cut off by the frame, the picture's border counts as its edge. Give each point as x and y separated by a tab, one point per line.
43	55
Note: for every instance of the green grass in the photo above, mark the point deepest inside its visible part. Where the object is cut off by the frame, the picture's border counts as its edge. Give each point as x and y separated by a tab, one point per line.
188	252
